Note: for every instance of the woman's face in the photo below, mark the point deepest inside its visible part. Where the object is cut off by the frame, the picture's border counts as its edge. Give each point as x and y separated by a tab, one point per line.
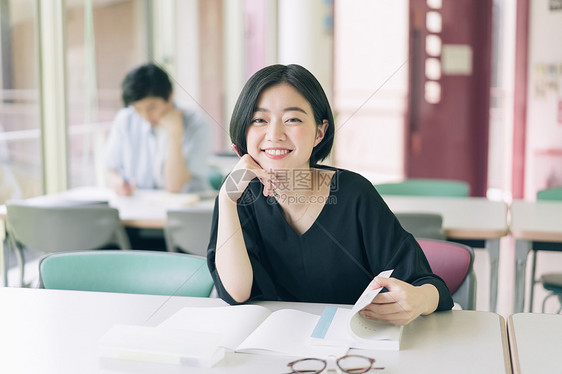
282	132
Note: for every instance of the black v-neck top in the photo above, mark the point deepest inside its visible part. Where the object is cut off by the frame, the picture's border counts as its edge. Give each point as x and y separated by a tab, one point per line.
354	238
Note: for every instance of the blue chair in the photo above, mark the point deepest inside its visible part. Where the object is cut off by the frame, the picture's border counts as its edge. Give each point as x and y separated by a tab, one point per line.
137	272
425	187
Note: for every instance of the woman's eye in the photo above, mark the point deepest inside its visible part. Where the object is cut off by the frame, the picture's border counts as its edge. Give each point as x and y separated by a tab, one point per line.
257	121
293	120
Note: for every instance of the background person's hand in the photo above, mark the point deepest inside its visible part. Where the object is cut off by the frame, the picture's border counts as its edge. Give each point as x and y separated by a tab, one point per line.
125	188
172	122
402	303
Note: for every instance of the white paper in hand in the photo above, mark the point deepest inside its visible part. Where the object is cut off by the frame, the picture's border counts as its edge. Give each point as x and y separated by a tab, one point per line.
366	330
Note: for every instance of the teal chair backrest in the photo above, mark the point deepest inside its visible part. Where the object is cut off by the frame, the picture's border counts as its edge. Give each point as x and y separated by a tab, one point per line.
215	178
138	272
554	193
425	187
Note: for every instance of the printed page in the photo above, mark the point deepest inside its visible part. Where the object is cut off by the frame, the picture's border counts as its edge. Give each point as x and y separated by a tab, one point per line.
345	327
286	332
233	323
367	333
369	294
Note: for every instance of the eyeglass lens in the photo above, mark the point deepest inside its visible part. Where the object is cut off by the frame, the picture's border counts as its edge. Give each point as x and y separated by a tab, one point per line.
350	364
308	365
354	364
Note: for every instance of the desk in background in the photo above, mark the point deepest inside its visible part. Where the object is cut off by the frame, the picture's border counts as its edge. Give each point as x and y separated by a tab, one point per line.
463	218
532	221
468	218
144	210
535	341
55	331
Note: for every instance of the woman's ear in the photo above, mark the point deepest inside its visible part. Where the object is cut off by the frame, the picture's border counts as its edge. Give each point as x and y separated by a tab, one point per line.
321	131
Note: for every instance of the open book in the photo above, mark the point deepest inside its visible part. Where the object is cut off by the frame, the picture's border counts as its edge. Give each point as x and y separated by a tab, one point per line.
255	329
345	327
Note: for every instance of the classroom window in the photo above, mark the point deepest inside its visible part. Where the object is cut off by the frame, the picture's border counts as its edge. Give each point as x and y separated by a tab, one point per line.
20	134
104	41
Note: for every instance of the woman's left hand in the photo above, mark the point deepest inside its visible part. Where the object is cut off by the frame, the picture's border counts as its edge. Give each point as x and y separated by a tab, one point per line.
402	303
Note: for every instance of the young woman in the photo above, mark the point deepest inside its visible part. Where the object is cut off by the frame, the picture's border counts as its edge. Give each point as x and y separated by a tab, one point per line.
287	228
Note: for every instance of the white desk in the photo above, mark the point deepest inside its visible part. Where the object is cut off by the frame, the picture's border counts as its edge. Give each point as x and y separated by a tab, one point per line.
535	342
463	218
469	218
53	331
532	221
144	209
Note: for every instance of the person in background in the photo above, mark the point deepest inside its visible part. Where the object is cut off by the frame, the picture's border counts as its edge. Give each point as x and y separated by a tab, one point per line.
153	144
287	228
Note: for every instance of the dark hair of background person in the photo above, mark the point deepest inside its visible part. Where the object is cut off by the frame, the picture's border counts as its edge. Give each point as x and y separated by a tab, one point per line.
304	82
145	81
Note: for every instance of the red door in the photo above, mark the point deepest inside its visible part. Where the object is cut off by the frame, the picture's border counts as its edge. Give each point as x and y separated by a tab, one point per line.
449	91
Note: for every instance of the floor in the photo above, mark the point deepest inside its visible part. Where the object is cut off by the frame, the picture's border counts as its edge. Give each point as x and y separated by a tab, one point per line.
547	262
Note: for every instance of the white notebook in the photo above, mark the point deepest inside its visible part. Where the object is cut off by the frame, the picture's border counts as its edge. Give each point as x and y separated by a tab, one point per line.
255	329
346	327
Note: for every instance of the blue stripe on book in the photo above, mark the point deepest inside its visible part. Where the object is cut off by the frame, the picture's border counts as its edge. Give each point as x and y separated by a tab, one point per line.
324	322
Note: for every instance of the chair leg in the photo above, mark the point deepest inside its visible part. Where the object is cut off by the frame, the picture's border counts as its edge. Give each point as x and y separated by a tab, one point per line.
18	251
548	297
533	281
21	263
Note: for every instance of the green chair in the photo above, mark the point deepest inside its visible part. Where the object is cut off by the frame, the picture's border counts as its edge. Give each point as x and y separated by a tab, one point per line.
215	178
425	187
551	281
554	193
137	272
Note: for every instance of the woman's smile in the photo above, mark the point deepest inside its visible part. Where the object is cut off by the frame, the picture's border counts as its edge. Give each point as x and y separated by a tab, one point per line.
277	153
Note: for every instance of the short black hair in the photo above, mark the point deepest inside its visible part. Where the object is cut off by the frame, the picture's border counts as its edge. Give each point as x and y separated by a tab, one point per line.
304	82
146	80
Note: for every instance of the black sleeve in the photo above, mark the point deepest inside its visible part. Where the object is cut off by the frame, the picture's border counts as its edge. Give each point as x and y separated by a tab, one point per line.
389	246
262	286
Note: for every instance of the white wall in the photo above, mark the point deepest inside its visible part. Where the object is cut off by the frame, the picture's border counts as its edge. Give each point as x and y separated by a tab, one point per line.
543	161
370	86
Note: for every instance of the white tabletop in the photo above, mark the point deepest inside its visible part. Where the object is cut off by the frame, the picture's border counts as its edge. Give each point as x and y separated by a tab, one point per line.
536	220
532	221
53	331
535	342
143	209
463	217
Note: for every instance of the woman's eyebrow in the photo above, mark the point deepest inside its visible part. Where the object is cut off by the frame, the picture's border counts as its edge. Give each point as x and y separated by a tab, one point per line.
295	109
288	109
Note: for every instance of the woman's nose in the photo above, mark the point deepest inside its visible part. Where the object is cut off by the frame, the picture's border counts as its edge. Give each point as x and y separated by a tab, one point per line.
275	131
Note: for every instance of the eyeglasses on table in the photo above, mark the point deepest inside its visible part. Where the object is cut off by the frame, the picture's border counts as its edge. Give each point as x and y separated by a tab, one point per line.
351	364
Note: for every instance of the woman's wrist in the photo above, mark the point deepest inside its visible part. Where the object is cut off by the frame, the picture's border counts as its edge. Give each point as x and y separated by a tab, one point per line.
431	298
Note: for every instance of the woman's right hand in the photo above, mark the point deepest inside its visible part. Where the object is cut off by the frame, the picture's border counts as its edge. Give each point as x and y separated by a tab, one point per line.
243	172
